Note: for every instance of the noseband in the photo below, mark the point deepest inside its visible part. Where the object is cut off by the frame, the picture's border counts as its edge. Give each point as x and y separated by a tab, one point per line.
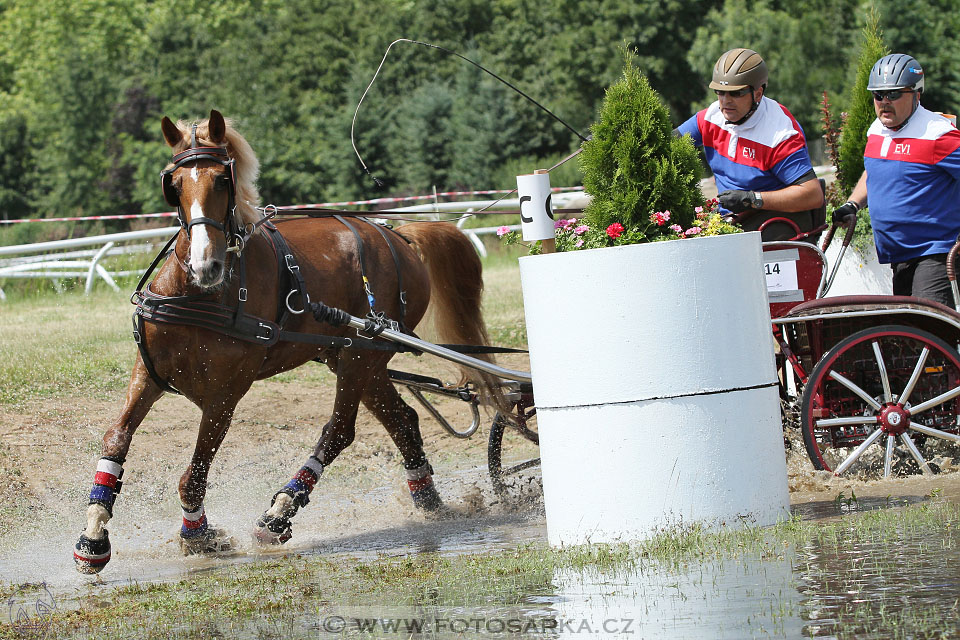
193	154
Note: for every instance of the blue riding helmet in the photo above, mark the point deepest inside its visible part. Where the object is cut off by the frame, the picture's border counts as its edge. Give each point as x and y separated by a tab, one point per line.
896	71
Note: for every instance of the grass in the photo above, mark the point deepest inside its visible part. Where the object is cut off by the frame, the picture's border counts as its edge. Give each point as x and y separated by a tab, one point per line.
64	346
285	597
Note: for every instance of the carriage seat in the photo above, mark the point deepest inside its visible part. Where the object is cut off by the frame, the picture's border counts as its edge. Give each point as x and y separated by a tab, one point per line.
931	316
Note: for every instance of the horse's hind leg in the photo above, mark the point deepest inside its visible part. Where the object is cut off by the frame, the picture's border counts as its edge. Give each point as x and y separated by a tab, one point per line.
353	373
92	551
403	425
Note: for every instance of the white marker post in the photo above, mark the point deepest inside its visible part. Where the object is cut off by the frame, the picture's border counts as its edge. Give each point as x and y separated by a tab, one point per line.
536	210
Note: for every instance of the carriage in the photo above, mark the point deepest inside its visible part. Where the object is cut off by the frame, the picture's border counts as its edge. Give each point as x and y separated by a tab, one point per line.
854	370
235	300
863	369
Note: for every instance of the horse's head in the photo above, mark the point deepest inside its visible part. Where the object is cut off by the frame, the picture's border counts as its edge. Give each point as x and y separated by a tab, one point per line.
200	183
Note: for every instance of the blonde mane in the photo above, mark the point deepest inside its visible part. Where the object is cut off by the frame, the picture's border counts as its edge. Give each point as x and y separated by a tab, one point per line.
246	165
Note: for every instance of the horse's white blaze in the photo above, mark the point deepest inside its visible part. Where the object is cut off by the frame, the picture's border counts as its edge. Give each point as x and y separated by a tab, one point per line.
199	240
97	517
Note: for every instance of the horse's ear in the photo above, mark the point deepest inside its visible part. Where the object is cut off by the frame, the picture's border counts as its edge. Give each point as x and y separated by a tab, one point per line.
216	128
171	134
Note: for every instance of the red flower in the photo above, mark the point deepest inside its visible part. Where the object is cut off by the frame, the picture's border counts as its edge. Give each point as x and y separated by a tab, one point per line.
615	230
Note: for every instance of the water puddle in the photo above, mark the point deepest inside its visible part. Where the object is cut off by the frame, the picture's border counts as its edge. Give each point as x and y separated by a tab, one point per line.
849	585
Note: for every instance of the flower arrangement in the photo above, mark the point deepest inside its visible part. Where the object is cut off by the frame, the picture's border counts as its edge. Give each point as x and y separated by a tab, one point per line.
644	181
574	233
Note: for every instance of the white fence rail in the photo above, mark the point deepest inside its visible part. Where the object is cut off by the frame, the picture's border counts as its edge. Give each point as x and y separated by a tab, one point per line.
50	260
47	260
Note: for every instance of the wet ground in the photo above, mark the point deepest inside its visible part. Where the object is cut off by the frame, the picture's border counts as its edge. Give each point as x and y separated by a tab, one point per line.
361	509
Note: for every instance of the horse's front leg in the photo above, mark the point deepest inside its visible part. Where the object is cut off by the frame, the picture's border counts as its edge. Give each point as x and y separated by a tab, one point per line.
92	551
353	374
196	535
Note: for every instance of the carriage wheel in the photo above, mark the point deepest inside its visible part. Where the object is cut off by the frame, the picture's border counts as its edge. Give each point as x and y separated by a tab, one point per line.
522	421
893	386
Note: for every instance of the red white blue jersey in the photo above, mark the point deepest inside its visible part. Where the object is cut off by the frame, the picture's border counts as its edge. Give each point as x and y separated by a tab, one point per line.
766	153
913	186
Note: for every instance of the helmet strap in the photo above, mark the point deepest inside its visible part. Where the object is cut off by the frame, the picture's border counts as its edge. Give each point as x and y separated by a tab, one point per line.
753	108
916	103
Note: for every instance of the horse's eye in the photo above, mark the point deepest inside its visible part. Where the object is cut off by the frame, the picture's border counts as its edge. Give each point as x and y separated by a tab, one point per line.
220	182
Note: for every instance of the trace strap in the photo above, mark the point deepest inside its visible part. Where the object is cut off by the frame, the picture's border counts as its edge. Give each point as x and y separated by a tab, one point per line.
203	312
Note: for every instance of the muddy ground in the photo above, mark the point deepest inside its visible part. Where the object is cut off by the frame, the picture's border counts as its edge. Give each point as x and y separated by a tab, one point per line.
49	449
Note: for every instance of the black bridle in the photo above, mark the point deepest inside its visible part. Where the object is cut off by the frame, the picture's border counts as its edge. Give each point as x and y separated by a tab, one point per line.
193	154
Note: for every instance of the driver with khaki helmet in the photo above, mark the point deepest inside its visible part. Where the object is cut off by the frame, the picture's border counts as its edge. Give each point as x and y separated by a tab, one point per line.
756	150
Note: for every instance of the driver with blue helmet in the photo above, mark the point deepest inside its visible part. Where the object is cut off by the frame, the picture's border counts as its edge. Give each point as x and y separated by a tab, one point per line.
912	175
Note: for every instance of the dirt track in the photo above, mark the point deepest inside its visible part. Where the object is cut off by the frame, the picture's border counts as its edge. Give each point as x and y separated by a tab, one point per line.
50	449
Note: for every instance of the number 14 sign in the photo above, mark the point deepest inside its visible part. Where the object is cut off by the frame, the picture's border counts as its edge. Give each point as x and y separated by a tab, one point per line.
781	276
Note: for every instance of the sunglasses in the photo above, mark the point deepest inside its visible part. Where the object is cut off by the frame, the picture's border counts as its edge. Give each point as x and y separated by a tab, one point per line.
738	93
892	96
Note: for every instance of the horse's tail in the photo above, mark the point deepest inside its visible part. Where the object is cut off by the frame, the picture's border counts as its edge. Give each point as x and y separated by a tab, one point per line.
456	294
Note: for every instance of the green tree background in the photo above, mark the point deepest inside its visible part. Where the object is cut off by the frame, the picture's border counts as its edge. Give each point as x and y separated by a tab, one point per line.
84	83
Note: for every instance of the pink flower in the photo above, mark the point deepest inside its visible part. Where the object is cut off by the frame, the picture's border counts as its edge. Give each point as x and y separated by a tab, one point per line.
660	217
582	229
579	243
698	209
615	230
502	231
676	229
563	224
692	231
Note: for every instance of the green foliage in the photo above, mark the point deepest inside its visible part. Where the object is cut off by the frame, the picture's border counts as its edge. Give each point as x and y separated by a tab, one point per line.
633	165
804	43
927	30
83	85
861	113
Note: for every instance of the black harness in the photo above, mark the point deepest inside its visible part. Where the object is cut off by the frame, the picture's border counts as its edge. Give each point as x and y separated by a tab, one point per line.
229	317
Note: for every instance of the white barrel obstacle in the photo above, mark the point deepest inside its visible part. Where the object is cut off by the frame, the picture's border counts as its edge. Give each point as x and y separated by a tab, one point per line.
655	386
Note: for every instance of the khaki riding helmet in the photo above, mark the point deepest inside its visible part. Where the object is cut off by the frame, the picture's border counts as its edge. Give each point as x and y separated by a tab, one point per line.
739	68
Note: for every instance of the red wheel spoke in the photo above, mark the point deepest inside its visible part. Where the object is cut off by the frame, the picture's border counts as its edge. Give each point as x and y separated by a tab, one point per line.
846	422
936	433
912	382
857	390
940	399
888	456
873	437
907	440
884	378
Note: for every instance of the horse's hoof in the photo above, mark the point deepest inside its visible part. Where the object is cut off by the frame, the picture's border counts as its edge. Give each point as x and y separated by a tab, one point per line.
271	531
210	541
91	555
426	498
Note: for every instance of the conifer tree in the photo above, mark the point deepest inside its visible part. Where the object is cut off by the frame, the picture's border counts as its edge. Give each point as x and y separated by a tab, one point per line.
861	113
633	166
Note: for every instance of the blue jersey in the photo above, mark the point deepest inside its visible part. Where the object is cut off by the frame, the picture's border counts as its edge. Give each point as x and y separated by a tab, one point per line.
766	153
913	186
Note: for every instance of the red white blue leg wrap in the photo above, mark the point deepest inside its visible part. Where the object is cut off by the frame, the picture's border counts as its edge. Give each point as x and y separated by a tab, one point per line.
194	522
303	481
92	554
275	527
420	481
106	483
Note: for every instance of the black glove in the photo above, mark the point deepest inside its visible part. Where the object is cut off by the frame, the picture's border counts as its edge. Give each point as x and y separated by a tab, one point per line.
736	200
846	214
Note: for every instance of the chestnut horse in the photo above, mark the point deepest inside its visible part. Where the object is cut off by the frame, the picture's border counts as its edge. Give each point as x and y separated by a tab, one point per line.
227	263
